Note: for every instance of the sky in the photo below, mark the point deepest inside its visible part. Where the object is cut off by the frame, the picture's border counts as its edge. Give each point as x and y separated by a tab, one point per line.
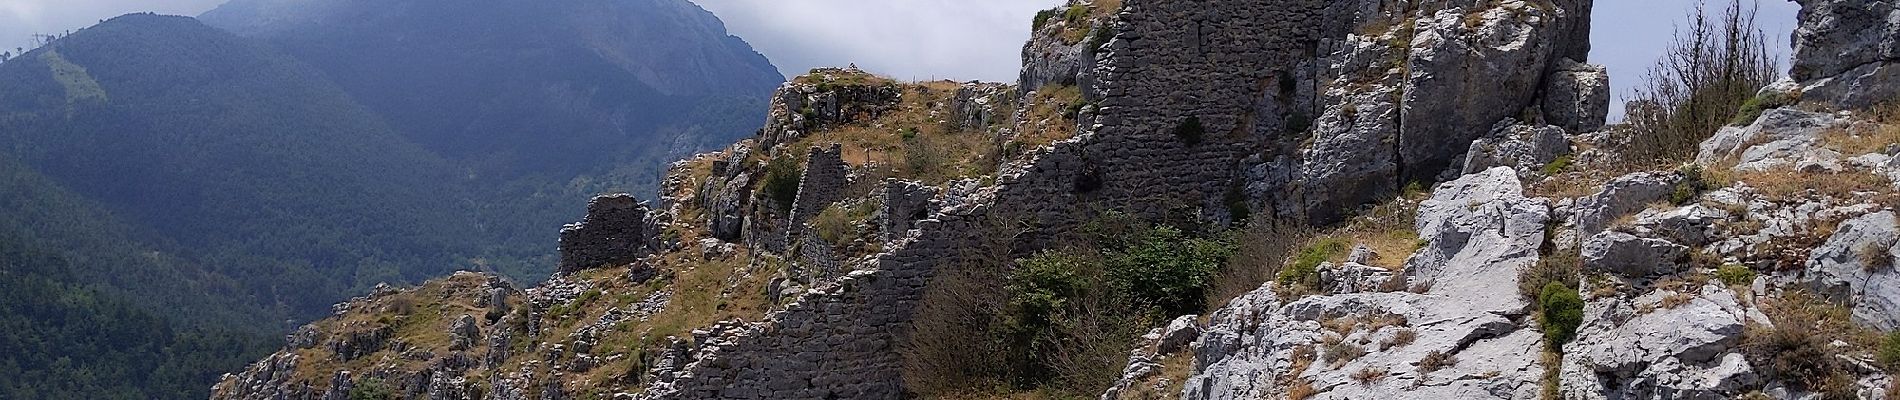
933	39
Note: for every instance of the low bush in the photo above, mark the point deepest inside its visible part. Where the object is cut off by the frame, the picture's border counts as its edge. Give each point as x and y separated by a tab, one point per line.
1436	360
1889	353
1166	269
1562	313
1735	274
1752	108
781	181
1561	164
1562	267
1691	186
1303	272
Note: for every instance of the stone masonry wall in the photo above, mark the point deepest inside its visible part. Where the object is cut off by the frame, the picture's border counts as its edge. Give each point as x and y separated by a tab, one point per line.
616	230
1250	74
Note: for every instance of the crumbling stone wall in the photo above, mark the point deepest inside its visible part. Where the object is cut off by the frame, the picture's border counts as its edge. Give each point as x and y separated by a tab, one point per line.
616	230
825	175
838	341
1258	78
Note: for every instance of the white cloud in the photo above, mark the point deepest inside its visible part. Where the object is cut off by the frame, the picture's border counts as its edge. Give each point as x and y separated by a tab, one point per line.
931	39
906	39
20	19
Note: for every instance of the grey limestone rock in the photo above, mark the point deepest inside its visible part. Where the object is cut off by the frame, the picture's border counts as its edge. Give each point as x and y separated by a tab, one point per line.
1632	256
1781	138
1856	266
1622	196
1524	148
1577	97
463	333
1692	225
1645	347
1845	50
1480	231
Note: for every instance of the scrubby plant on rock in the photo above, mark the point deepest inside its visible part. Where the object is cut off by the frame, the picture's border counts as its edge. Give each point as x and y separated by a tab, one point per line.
1562	312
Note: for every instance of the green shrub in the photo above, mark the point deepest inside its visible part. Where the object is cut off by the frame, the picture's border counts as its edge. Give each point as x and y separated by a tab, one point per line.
1889	353
371	389
1561	267
1735	274
1190	131
1237	206
1042	19
1076	13
1561	164
1166	269
1043	284
1562	313
781	181
1304	271
1753	107
1691	186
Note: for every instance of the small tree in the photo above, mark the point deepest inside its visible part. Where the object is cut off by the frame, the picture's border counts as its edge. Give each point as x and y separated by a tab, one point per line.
1712	66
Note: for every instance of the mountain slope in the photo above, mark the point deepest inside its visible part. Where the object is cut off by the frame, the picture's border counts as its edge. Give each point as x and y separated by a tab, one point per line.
239	156
68	324
513	88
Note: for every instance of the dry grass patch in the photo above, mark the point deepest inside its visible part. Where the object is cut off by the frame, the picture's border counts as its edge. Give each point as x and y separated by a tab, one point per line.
1049	117
916	140
1399	339
1785	184
1797	348
1369	375
1436	360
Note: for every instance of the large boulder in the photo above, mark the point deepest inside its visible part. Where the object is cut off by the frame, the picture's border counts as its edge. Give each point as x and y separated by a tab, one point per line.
1632	256
1663	344
1845	52
1692	225
1525	148
1479	232
1577	96
1856	266
1622	196
1781	138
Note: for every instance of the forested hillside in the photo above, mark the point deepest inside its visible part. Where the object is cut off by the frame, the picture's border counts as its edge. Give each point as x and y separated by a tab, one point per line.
177	196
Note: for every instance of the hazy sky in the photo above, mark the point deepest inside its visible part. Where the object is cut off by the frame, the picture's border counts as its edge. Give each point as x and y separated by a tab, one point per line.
927	39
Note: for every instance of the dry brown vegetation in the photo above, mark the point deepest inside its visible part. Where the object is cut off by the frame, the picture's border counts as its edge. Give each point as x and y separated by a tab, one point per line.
1797	349
1713	66
1049	116
913	141
1786	184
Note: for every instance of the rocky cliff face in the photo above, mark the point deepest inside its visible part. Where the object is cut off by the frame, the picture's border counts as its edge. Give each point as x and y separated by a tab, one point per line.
792	265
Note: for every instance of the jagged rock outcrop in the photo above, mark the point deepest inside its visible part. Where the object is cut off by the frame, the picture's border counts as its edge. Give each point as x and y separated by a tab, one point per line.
1479	232
826	97
371	341
1845	52
1577	96
1619	197
1345	116
1648	347
617	229
1781	138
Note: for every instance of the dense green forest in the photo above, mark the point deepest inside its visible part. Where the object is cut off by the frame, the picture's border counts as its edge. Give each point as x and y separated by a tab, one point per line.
178	196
